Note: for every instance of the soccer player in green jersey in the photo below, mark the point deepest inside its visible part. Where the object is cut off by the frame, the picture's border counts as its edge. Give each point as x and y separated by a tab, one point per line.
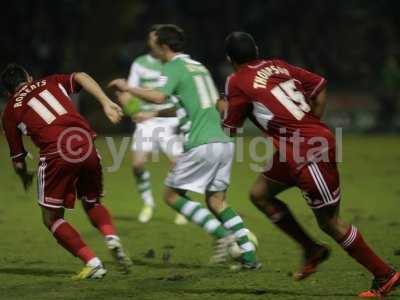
205	165
152	135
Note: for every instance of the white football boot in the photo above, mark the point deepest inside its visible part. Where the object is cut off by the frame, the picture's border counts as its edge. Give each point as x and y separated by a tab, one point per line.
221	249
117	251
180	220
146	214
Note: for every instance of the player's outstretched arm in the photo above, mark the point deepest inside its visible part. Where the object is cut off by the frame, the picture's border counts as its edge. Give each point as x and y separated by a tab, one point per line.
148	95
111	109
318	104
147	115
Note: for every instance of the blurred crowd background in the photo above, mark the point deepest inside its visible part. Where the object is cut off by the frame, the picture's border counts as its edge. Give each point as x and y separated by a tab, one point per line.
355	44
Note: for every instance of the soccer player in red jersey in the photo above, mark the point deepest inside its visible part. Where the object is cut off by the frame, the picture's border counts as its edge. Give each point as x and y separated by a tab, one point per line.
69	163
286	103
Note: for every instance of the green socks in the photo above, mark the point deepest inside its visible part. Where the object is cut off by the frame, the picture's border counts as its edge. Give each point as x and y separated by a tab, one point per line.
144	187
201	216
234	223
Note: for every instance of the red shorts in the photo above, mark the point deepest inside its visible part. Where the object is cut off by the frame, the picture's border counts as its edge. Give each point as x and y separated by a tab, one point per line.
60	181
318	181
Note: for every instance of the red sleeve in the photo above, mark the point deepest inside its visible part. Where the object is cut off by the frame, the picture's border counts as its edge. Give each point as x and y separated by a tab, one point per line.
13	135
238	106
312	83
68	83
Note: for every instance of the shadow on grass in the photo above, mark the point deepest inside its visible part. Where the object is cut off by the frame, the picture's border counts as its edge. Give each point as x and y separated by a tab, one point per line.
168	265
259	292
124	218
34	272
133	219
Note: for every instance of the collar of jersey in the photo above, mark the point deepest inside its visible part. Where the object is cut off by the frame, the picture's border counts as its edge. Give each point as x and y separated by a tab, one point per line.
255	63
150	58
179	56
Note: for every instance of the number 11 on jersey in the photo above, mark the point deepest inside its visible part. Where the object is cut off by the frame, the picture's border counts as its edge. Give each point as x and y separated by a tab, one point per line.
206	90
43	111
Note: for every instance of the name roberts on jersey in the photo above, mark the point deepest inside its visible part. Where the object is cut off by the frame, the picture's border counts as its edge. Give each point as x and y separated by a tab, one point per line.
26	90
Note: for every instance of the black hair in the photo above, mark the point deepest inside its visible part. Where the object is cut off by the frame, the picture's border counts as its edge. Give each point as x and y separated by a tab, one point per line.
12	76
172	36
241	47
153	28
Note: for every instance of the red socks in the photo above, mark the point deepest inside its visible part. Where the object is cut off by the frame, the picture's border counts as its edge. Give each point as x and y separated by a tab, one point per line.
356	247
281	216
353	243
70	239
101	219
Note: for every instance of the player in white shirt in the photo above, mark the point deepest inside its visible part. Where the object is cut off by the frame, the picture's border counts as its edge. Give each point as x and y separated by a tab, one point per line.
152	135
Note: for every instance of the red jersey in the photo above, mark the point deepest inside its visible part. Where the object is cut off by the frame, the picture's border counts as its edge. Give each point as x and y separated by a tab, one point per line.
43	110
276	96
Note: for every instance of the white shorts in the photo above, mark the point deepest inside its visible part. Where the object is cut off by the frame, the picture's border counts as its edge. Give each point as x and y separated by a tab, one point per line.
158	134
203	168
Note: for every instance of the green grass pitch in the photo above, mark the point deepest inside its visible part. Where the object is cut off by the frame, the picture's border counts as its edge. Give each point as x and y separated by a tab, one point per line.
33	266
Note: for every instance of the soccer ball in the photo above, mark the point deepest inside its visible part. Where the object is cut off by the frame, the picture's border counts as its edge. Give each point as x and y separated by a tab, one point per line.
235	251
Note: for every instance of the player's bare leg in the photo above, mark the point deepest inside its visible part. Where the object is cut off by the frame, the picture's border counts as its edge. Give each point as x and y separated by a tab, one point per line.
351	240
263	195
71	240
179	218
198	214
216	202
100	218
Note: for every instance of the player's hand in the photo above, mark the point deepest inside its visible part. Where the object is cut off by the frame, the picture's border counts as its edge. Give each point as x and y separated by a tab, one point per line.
119	84
27	180
221	106
23	173
123	97
112	111
144	116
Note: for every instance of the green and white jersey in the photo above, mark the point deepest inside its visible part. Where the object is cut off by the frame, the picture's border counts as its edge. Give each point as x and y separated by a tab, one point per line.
145	72
193	91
